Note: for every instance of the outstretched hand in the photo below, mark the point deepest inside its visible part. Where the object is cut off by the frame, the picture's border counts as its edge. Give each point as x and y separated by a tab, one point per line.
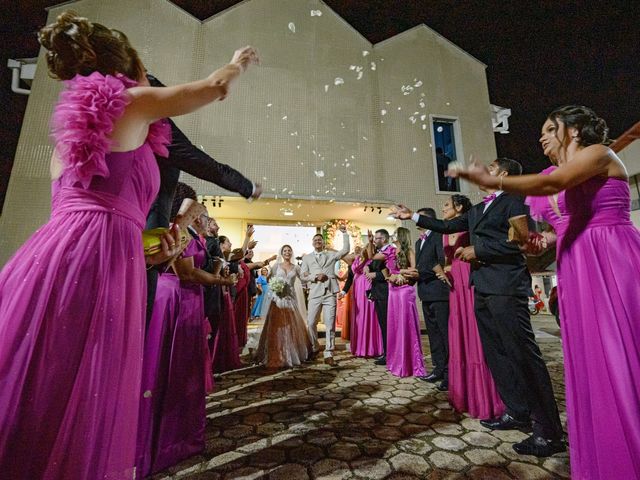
401	212
476	172
243	57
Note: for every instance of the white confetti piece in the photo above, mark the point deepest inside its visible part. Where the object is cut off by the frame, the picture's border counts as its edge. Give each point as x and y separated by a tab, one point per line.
383	112
316	13
326	88
298	147
413	119
292	27
418	84
365	53
352	172
352	67
399	108
284	189
294	134
290	192
414	149
365	138
448	103
373	65
359	76
422	104
424	127
347	165
264	178
423	117
285	117
319	173
338	81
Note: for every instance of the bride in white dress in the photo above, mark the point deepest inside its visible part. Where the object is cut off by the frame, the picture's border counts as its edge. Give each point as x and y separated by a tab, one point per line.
284	341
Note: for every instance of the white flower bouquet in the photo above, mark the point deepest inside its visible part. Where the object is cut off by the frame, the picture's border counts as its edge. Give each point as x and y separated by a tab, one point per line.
277	286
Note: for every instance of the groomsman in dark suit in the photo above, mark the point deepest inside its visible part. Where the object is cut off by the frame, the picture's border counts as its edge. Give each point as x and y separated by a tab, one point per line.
434	295
380	288
185	156
501	282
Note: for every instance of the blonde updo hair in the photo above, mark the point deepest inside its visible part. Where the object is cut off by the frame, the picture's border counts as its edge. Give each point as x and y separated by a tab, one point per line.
77	46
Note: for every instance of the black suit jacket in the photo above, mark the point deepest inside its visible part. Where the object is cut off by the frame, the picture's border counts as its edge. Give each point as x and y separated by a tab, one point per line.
430	287
379	286
503	268
185	156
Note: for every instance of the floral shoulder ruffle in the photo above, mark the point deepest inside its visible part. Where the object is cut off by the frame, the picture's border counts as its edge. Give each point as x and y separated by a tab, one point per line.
83	121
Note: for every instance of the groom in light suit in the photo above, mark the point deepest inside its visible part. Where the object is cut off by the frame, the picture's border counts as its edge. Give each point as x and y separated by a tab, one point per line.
318	269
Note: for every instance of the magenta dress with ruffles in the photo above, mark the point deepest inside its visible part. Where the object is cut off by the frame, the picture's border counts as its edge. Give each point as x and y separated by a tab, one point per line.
404	344
366	336
72	300
598	254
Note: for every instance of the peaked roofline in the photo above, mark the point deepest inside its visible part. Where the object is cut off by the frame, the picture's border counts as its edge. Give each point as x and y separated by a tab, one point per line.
431	30
351	27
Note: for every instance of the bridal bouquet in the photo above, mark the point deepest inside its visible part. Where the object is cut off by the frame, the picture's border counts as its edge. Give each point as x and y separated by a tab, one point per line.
277	286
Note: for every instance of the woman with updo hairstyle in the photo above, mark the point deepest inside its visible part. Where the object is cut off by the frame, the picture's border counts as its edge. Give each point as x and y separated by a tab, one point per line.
471	385
72	298
598	254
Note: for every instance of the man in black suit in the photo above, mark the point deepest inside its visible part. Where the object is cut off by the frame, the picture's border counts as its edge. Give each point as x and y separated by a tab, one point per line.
380	288
185	156
501	282
434	295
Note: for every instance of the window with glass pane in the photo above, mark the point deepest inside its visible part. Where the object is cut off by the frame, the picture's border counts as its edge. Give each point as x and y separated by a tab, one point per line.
445	148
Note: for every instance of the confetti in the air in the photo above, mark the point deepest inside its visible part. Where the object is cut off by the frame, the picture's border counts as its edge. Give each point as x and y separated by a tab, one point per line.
365	53
319	173
373	65
338	81
383	112
316	13
326	88
359	76
415	149
292	27
269	104
418	84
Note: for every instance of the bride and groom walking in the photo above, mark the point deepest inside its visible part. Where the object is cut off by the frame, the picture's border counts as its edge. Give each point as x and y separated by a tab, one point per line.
287	339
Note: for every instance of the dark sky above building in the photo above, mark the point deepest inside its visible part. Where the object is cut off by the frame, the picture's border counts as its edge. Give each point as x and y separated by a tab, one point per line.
539	55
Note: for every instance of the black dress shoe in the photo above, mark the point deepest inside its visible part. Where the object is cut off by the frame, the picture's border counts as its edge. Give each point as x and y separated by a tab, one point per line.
444	386
539	446
381	360
505	422
433	378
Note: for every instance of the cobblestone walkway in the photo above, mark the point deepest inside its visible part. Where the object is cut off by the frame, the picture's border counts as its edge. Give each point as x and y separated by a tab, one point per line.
356	421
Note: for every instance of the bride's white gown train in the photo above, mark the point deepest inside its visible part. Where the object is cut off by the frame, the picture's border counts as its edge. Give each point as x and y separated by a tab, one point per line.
284	341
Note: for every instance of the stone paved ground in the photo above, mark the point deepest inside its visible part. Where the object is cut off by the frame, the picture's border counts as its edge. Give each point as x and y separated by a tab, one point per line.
357	421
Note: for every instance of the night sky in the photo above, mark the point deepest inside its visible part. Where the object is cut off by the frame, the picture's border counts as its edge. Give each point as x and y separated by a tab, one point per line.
539	55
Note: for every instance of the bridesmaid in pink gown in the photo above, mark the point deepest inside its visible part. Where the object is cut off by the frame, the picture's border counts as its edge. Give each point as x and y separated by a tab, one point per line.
471	386
598	253
366	336
226	351
72	297
177	366
404	345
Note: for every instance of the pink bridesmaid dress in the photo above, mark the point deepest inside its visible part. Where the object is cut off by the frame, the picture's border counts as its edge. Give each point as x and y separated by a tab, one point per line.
72	300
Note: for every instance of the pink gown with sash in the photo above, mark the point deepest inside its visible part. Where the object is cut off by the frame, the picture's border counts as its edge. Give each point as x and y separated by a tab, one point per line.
72	301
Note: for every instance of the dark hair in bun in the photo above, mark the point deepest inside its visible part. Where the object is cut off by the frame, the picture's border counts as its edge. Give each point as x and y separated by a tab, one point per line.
461	201
77	46
591	128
